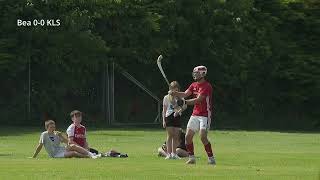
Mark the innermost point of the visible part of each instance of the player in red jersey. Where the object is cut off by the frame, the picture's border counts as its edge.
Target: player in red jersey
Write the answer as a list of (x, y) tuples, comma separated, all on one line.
[(77, 135), (200, 119), (76, 131)]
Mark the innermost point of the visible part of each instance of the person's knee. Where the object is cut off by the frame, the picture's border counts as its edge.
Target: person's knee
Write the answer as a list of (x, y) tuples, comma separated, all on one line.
[(70, 154), (161, 152), (181, 152), (189, 138), (68, 147), (73, 154)]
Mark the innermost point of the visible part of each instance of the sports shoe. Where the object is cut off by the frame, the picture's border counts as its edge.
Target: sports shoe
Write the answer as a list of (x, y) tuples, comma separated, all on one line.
[(99, 155), (191, 160), (211, 161), (123, 155), (175, 157), (93, 157), (167, 157)]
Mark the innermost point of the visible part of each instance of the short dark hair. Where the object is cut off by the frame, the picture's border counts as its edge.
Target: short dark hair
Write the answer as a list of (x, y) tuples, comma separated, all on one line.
[(48, 122)]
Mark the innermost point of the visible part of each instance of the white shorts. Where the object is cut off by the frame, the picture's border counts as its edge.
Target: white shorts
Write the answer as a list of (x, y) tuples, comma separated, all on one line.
[(198, 122), (60, 153)]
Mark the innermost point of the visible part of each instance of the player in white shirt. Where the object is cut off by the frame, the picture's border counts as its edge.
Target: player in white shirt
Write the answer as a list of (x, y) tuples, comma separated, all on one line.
[(171, 116), (51, 140)]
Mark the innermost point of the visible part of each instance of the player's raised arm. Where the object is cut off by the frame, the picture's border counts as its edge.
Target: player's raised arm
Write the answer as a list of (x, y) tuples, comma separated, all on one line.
[(62, 137)]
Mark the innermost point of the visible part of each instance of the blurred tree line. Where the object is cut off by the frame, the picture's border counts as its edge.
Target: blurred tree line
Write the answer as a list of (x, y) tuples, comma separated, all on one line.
[(262, 56)]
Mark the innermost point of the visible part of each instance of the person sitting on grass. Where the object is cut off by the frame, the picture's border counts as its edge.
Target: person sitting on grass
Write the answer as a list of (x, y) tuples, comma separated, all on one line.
[(51, 140), (181, 148), (77, 135)]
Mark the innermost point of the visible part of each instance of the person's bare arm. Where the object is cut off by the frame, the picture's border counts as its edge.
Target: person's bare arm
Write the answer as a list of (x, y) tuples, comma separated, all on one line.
[(62, 137), (164, 110), (70, 140), (196, 100), (180, 94), (38, 149)]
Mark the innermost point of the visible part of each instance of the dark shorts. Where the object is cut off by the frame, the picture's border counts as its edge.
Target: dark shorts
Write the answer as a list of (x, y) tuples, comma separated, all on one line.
[(182, 146), (172, 121)]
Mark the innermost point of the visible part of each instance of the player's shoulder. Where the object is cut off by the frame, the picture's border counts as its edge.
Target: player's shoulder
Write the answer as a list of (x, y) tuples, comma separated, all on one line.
[(82, 126), (194, 84), (71, 126), (207, 84), (44, 133), (166, 96)]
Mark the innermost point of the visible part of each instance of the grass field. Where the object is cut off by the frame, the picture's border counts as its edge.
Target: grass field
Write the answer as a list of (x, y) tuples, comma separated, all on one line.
[(240, 155)]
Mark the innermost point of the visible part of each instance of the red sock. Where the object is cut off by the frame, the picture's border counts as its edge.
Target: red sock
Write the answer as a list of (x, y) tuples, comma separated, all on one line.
[(190, 149), (208, 149)]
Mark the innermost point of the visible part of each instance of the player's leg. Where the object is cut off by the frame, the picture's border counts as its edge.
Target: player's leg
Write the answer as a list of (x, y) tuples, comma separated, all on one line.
[(204, 139), (192, 128), (182, 153), (175, 141), (170, 132), (189, 144), (81, 150), (176, 135), (161, 152), (114, 153), (70, 154)]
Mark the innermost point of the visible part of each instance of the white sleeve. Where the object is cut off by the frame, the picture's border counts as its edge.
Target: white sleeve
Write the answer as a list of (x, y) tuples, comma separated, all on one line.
[(41, 138), (165, 101), (70, 131)]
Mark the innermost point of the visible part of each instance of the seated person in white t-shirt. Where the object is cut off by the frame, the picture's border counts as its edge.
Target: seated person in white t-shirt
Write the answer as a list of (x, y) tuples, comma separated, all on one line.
[(51, 140)]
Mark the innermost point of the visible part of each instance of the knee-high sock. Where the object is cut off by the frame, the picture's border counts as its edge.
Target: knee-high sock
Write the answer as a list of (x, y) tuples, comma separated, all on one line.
[(208, 149), (190, 149)]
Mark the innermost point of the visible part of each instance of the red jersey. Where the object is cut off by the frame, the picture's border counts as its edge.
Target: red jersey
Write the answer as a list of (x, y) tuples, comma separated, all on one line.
[(78, 134), (203, 108)]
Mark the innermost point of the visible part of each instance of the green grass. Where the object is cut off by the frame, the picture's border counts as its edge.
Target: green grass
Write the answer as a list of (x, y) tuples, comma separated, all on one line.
[(240, 155)]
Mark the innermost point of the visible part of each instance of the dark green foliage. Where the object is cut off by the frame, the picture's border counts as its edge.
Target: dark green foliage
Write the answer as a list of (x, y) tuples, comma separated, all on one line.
[(263, 56)]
